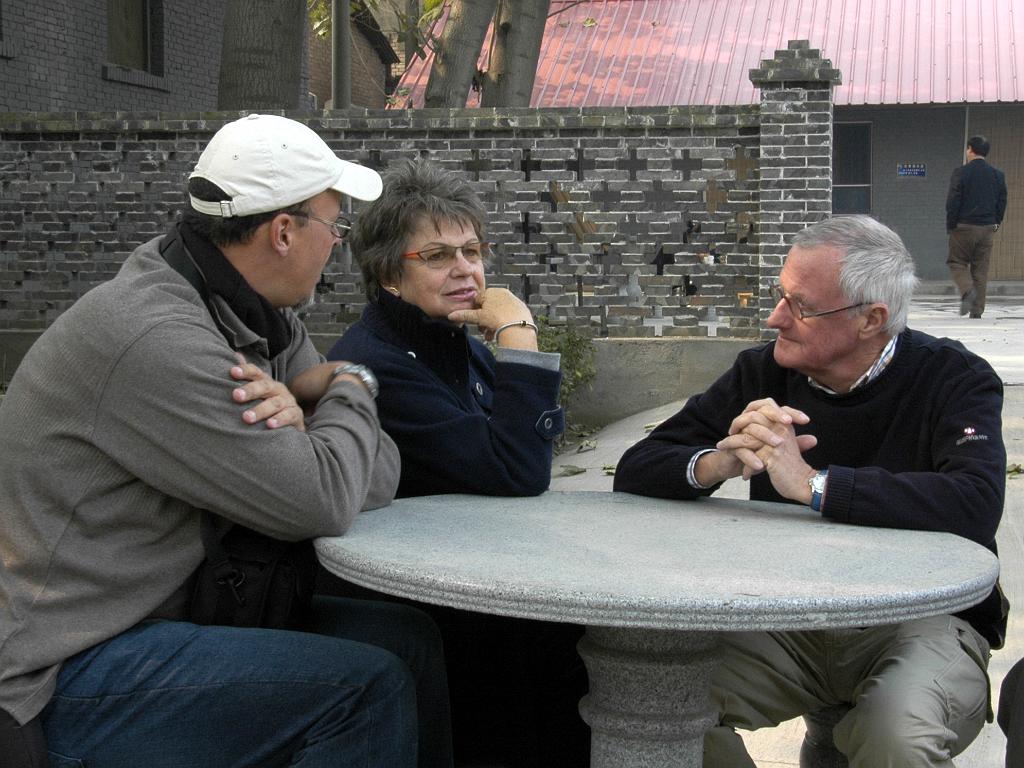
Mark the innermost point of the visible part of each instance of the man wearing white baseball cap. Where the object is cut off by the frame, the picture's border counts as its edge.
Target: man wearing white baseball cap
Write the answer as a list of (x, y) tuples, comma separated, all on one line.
[(173, 422)]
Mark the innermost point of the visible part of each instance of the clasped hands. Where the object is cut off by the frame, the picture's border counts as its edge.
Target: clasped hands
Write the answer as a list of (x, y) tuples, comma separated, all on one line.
[(763, 439)]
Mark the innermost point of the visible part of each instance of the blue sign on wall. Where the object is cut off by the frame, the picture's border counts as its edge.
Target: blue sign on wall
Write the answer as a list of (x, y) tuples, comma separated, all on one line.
[(910, 169)]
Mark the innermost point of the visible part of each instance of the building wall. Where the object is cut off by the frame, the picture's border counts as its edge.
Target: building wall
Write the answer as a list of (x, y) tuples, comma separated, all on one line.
[(1001, 124), (915, 206), (53, 59), (369, 74)]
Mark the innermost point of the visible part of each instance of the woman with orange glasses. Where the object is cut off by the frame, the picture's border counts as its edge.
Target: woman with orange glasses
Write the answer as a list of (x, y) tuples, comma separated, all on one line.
[(467, 421)]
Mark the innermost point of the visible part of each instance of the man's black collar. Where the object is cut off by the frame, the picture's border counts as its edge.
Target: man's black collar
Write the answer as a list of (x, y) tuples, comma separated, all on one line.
[(217, 276)]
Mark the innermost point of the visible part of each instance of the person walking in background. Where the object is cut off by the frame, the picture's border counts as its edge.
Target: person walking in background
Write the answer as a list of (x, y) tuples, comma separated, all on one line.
[(974, 210)]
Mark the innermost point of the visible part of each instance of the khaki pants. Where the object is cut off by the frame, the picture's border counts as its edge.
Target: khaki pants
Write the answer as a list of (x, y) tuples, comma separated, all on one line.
[(970, 246), (919, 690)]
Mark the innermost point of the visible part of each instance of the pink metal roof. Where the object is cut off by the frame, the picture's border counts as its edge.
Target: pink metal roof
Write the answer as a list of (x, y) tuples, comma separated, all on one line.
[(664, 52)]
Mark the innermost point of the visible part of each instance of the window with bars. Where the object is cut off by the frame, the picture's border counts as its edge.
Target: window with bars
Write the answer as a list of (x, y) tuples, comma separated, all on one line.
[(851, 168), (135, 35), (6, 49)]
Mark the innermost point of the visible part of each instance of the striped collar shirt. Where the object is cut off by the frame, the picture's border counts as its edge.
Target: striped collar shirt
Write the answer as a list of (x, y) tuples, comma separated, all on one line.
[(888, 352)]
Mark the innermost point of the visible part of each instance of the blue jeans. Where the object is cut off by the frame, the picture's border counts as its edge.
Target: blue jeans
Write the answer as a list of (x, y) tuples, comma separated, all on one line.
[(343, 692)]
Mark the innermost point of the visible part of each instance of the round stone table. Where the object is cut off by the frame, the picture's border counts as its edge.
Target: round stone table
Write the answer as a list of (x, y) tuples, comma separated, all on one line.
[(654, 581)]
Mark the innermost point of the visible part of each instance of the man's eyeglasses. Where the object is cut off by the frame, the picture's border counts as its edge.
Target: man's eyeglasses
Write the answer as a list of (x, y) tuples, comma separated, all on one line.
[(340, 227), (796, 309), (442, 256)]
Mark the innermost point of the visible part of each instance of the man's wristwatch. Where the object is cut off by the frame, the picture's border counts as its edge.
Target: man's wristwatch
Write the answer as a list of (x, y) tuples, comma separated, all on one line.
[(817, 484), (365, 375)]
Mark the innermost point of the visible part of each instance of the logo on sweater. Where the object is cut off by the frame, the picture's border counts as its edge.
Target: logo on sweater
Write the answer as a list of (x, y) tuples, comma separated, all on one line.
[(970, 434)]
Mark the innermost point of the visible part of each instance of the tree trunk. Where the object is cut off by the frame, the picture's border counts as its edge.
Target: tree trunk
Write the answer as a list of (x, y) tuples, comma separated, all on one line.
[(262, 55), (457, 52), (513, 67)]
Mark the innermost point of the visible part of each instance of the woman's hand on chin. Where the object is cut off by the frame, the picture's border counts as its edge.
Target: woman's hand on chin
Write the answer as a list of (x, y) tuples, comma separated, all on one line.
[(496, 309)]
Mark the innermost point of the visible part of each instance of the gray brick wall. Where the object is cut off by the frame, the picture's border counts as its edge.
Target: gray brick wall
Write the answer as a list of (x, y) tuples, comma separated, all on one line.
[(796, 152), (591, 209), (625, 222), (55, 59)]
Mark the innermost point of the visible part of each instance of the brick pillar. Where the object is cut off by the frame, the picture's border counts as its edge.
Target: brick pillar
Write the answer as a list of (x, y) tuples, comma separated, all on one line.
[(796, 153)]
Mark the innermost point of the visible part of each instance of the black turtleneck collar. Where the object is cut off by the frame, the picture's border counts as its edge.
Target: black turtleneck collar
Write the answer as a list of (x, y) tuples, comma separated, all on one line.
[(412, 323), (438, 343), (227, 282)]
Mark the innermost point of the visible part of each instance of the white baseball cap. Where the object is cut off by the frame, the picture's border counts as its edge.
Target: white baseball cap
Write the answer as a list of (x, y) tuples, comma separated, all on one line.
[(266, 163)]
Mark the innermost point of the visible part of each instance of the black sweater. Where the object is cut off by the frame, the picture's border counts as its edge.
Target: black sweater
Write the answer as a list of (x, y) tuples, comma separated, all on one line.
[(977, 195), (463, 422), (919, 447)]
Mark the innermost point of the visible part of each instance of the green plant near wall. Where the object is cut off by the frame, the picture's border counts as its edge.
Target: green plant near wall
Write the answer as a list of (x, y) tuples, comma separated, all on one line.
[(576, 349)]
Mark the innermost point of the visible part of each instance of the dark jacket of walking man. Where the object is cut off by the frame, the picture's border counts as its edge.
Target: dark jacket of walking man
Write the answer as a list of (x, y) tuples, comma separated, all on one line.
[(974, 210)]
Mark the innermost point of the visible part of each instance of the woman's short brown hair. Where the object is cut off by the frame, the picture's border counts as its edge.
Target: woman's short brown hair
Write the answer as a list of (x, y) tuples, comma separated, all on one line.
[(414, 190)]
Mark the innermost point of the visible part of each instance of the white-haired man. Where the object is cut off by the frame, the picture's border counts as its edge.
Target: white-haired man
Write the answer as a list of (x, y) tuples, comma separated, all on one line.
[(870, 423)]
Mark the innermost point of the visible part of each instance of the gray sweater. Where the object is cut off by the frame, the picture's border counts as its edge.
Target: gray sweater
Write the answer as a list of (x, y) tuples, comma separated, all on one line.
[(117, 427)]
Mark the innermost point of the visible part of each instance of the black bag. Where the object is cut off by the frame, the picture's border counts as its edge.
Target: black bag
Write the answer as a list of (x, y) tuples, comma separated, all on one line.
[(22, 746), (251, 580)]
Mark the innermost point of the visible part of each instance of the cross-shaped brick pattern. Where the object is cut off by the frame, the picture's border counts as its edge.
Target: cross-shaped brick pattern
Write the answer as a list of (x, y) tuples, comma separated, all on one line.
[(660, 198), (659, 321), (476, 165), (635, 192), (551, 259), (714, 195), (742, 163), (608, 199), (631, 164), (692, 228), (581, 226), (743, 228), (527, 228), (525, 287), (557, 194), (687, 164), (548, 196), (711, 322), (661, 258), (582, 165), (527, 164)]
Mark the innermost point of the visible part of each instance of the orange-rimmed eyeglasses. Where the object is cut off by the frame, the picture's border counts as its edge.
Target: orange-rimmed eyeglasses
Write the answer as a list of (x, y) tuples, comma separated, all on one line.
[(441, 256)]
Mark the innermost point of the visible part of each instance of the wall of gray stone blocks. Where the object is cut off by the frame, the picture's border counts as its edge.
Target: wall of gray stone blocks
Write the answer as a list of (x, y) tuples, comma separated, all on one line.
[(624, 222), (591, 210)]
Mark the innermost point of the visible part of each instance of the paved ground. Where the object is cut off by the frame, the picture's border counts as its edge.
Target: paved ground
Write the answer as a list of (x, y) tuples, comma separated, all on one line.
[(999, 337)]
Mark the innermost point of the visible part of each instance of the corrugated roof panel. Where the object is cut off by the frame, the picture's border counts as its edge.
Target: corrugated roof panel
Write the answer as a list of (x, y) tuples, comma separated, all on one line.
[(662, 52)]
